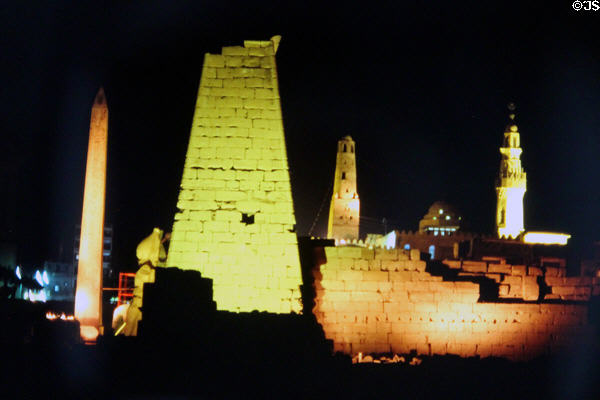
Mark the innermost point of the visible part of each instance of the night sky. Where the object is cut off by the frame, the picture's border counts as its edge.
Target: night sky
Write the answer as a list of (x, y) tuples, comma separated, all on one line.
[(421, 87)]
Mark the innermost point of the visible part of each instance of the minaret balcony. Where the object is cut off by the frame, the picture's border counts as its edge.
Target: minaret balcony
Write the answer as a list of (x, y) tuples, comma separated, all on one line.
[(513, 181)]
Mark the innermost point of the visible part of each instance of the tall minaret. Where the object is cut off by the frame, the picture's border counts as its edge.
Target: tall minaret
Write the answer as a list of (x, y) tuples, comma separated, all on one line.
[(88, 296), (344, 211), (511, 184)]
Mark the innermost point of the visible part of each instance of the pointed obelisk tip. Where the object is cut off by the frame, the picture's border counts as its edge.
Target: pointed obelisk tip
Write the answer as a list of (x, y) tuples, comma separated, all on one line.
[(100, 97)]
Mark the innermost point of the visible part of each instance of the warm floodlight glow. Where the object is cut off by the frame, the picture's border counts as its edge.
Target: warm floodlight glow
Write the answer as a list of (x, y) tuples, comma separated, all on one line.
[(88, 296), (546, 238), (89, 333), (52, 316)]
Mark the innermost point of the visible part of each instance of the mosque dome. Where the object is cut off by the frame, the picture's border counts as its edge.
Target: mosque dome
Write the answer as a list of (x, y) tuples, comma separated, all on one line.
[(441, 219)]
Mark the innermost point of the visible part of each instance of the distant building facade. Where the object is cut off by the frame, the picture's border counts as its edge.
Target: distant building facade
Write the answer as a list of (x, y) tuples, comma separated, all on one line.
[(61, 281), (107, 249)]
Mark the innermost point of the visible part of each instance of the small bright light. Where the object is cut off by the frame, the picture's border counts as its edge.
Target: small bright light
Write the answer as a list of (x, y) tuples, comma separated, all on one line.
[(390, 240), (441, 211), (546, 238), (38, 277), (45, 277), (432, 251), (447, 217), (434, 218), (18, 272)]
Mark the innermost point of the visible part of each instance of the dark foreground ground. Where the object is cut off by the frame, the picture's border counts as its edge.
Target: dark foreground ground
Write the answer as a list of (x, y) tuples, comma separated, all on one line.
[(257, 355), (186, 350), (123, 370)]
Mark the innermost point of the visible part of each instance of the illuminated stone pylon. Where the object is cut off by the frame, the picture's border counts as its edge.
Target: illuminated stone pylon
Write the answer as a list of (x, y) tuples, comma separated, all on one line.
[(88, 295), (344, 212), (511, 184), (236, 220)]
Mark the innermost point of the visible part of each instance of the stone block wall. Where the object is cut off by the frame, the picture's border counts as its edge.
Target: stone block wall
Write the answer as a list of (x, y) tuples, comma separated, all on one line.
[(545, 282), (236, 221), (377, 301)]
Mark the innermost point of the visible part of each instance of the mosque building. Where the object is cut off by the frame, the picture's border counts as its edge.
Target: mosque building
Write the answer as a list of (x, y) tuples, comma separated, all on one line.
[(440, 232)]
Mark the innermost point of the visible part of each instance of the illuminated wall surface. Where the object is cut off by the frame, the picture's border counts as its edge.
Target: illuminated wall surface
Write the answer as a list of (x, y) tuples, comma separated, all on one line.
[(511, 187), (236, 218), (88, 295), (383, 300), (344, 211)]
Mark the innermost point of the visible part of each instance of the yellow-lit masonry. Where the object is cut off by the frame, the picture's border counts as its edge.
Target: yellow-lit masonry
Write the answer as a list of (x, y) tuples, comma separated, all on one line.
[(236, 219)]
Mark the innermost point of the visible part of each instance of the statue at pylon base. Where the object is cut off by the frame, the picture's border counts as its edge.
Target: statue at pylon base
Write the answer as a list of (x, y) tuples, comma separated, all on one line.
[(150, 253)]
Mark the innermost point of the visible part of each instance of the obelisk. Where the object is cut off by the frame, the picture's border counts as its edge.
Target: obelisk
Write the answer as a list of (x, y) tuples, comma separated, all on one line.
[(88, 296)]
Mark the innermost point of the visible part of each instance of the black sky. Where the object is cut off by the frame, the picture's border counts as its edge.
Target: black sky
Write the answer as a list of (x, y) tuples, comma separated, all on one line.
[(421, 86)]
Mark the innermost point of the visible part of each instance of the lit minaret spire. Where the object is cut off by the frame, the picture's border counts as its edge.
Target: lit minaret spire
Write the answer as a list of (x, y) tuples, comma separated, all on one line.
[(344, 211), (88, 296), (511, 184)]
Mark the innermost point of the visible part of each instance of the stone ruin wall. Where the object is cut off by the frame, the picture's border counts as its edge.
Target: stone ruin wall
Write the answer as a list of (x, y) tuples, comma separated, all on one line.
[(236, 219), (235, 225), (377, 301)]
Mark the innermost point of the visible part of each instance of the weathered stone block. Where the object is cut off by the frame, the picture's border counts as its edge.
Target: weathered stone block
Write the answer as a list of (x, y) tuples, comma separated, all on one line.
[(499, 268), (520, 270), (415, 254), (454, 264), (214, 60), (474, 266), (377, 276), (421, 296), (531, 290), (235, 51), (534, 271), (554, 281)]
